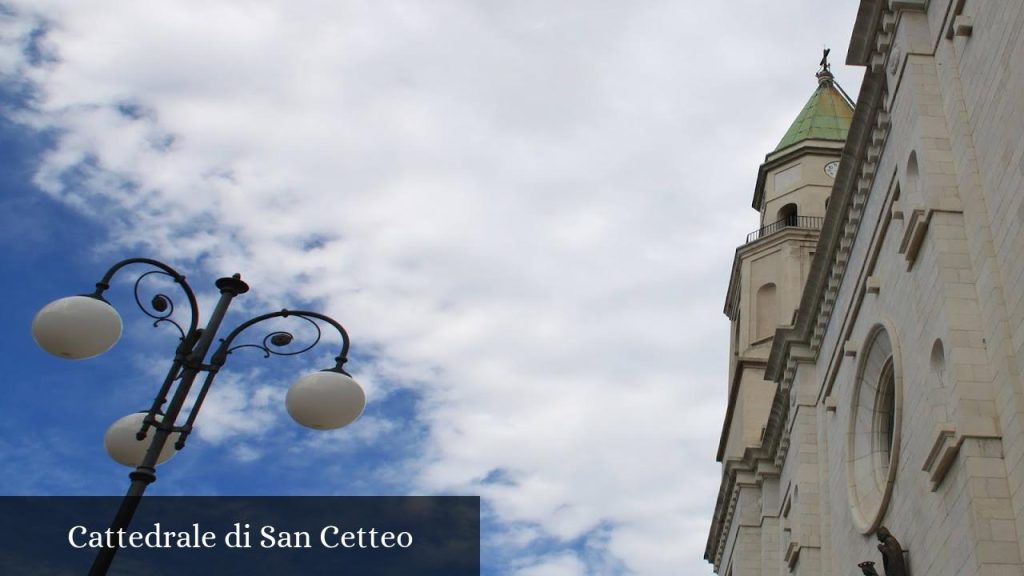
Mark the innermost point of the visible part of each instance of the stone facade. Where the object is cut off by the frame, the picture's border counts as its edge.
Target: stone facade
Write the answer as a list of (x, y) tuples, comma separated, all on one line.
[(889, 391)]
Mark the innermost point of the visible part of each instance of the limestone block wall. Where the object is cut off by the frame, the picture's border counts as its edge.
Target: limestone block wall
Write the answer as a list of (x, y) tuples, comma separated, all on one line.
[(986, 111), (927, 265), (800, 548)]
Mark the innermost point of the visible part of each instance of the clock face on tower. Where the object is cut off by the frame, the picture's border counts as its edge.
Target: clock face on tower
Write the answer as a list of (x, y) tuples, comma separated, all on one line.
[(831, 168)]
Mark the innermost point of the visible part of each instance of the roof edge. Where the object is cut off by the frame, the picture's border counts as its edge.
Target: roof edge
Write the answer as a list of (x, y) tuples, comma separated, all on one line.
[(862, 41)]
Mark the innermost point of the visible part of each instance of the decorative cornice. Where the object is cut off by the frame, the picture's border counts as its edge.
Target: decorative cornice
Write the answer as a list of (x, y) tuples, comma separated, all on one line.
[(842, 220), (857, 171), (749, 470)]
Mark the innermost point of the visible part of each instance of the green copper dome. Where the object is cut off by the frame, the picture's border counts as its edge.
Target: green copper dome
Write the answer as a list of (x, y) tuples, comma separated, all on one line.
[(826, 116)]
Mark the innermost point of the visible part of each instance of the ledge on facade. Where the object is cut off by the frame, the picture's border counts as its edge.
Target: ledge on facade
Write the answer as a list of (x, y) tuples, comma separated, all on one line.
[(940, 458), (804, 222)]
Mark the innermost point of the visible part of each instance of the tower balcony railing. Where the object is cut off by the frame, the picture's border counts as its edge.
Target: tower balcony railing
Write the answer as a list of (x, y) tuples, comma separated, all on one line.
[(804, 222)]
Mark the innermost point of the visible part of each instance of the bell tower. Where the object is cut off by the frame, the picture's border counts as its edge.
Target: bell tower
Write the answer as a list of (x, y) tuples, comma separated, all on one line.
[(770, 268), (765, 288)]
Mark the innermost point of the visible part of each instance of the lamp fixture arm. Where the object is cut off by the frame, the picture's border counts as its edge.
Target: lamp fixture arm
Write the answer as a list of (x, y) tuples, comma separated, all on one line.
[(282, 338), (161, 301), (163, 307), (274, 339)]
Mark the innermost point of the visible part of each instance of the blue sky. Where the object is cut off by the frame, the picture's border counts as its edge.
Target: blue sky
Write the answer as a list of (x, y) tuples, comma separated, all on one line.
[(524, 213)]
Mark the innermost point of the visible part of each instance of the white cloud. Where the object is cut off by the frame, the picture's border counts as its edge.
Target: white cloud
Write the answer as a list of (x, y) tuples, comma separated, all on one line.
[(526, 210), (561, 565), (235, 410)]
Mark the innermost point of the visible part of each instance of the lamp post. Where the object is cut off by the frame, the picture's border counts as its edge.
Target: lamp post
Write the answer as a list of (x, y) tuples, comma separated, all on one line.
[(79, 327)]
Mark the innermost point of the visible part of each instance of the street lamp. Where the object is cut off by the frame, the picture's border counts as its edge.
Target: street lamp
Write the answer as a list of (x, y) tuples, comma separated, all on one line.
[(79, 327)]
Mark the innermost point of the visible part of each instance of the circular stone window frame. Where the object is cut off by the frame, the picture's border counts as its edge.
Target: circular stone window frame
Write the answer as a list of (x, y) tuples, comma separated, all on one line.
[(871, 466)]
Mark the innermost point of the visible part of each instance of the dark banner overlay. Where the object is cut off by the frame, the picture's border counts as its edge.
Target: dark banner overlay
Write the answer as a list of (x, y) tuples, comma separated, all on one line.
[(200, 536)]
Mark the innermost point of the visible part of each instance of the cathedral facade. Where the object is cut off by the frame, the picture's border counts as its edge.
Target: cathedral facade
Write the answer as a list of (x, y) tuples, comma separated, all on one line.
[(876, 400)]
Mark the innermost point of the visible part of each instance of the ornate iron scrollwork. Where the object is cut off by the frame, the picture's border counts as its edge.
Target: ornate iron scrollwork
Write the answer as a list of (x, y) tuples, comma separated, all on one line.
[(161, 306), (275, 342)]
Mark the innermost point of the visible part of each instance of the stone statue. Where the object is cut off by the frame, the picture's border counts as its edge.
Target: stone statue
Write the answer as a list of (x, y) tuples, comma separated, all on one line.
[(892, 553)]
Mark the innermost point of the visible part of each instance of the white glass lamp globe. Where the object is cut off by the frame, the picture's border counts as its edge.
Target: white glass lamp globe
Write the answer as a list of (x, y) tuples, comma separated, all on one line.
[(77, 327), (325, 400), (123, 446)]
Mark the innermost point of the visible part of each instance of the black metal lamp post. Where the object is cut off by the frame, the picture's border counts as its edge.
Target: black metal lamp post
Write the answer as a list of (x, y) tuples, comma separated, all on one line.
[(79, 327)]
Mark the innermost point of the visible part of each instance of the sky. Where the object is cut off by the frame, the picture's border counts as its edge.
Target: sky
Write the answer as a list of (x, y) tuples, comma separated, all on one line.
[(524, 213)]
